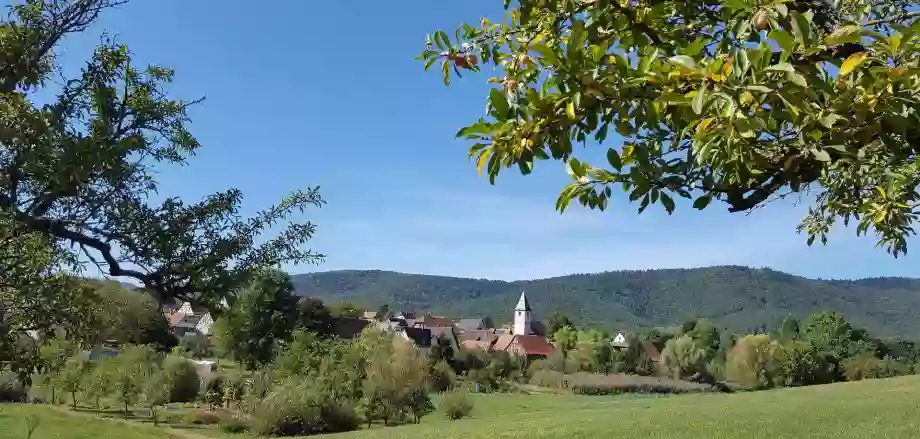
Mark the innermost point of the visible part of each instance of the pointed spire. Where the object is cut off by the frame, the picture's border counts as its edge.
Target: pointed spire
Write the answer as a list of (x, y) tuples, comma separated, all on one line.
[(523, 304)]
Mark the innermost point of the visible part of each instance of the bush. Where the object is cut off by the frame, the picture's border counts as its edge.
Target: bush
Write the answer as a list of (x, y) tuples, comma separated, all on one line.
[(203, 417), (549, 378), (456, 405), (683, 358), (755, 362), (234, 425), (303, 409), (441, 377), (803, 365), (583, 383), (866, 367), (11, 389), (182, 378)]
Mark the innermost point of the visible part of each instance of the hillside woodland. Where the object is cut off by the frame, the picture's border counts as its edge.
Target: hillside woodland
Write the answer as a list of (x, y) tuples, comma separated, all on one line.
[(740, 298)]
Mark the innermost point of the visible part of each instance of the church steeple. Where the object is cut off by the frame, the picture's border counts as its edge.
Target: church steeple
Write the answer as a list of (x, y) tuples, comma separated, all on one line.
[(522, 316), (523, 304)]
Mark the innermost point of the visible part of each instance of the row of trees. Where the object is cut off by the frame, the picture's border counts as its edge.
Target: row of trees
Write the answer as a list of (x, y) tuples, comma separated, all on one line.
[(137, 375), (824, 349)]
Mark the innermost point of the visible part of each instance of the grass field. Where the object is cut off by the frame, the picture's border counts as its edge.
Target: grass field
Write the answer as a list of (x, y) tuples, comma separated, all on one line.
[(867, 409), (55, 424)]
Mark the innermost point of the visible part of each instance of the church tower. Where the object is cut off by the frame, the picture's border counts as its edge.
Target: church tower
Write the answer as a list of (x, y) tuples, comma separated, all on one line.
[(522, 317)]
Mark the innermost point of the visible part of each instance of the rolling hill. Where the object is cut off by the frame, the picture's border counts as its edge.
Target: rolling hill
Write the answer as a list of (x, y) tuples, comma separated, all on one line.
[(740, 298)]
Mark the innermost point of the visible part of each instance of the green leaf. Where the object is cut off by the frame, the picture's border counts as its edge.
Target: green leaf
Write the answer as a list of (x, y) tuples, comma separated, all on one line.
[(526, 166), (597, 53), (430, 62), (781, 67), (575, 168), (759, 88), (548, 55), (801, 28), (829, 120), (613, 157), (699, 100), (821, 155), (797, 79), (683, 61), (441, 39), (570, 110), (647, 60), (845, 34), (445, 68), (784, 40), (702, 202), (852, 63), (499, 103), (667, 202), (576, 40)]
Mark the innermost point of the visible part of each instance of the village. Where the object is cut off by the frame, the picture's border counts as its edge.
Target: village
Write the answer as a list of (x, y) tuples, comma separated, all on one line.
[(525, 337)]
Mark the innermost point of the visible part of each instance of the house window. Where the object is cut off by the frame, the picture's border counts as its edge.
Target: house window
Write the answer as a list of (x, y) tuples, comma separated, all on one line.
[(520, 313)]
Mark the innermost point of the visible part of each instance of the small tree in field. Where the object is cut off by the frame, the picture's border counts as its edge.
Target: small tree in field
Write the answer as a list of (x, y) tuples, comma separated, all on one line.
[(157, 389), (131, 369), (99, 381), (71, 376)]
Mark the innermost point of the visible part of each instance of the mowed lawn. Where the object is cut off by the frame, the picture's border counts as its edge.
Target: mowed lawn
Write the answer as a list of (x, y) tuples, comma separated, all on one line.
[(874, 409)]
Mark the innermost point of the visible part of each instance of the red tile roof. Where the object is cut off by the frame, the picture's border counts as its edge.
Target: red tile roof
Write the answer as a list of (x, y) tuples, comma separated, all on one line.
[(502, 342), (434, 321), (175, 318), (535, 345)]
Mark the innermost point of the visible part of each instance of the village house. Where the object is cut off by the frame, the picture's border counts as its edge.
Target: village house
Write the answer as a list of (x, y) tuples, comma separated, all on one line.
[(622, 339), (184, 318)]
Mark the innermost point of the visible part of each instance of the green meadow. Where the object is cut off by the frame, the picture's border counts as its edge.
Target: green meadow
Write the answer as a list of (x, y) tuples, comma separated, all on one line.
[(884, 408)]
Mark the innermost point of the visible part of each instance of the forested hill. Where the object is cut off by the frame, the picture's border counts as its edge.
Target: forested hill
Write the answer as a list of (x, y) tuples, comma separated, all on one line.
[(737, 297)]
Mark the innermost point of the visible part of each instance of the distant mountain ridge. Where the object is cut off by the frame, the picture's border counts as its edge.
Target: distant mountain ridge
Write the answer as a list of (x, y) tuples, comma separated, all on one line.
[(740, 298)]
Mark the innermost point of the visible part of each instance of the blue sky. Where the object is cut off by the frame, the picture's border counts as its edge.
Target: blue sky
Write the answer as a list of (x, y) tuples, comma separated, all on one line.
[(304, 93)]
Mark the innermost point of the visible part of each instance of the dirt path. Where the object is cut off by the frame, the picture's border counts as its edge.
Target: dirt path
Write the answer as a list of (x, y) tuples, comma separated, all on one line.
[(174, 432)]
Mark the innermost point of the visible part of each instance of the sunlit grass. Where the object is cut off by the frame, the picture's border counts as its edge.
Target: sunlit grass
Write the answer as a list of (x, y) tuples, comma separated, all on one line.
[(869, 409)]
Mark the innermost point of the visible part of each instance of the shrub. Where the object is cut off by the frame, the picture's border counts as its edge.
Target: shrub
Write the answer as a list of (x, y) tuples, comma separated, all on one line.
[(11, 389), (583, 383), (682, 358), (549, 378), (441, 377), (182, 378), (803, 365), (234, 425), (754, 362), (304, 408), (204, 417), (456, 405), (866, 367)]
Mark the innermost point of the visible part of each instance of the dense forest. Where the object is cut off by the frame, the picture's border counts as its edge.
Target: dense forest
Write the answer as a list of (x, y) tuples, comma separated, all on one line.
[(740, 298)]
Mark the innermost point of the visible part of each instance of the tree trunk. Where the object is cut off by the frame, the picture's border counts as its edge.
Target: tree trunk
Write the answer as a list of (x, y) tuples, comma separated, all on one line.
[(53, 401), (73, 397), (153, 414), (97, 402), (126, 410)]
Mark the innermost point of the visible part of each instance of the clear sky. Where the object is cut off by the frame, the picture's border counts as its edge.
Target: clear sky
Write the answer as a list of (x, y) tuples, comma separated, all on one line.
[(302, 93)]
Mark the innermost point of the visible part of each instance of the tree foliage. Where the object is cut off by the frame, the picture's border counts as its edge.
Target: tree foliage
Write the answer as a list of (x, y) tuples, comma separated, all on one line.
[(739, 101), (263, 316), (77, 173), (557, 321)]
